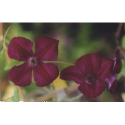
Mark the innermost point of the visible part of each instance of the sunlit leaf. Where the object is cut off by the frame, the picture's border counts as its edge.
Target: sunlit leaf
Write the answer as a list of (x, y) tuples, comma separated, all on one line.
[(15, 97), (8, 93), (6, 35)]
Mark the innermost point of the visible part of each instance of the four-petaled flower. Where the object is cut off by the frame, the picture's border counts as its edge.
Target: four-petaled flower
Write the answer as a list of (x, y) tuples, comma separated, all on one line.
[(46, 49), (94, 73)]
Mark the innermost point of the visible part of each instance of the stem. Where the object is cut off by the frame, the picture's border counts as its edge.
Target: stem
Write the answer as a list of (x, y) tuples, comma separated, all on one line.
[(117, 34), (7, 57), (21, 94), (57, 62), (118, 30)]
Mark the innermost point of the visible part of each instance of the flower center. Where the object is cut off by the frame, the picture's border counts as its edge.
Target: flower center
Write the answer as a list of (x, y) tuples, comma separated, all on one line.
[(90, 78), (33, 61)]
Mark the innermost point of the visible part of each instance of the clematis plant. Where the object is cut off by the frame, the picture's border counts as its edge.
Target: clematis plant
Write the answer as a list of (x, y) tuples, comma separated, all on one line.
[(94, 74), (20, 49)]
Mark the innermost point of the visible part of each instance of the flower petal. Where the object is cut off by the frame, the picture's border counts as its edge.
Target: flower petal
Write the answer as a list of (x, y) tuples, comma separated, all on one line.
[(85, 64), (92, 90), (96, 62), (113, 87), (45, 74), (46, 48), (117, 63), (111, 78), (20, 48), (72, 73), (20, 75), (89, 63), (106, 68)]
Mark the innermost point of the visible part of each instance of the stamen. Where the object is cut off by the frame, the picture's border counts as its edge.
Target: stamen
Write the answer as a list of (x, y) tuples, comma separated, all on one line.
[(33, 61), (90, 78)]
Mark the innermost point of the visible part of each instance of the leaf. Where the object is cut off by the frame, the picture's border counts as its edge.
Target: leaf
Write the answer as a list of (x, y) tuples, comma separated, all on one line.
[(122, 73), (11, 64), (1, 53), (15, 97), (8, 92), (6, 35), (123, 41)]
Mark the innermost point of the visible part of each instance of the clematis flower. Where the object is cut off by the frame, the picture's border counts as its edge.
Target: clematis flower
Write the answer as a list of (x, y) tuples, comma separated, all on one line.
[(46, 49), (117, 66), (92, 72)]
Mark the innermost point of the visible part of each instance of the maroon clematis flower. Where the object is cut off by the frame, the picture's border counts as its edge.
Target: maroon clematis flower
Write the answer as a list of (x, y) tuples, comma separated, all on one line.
[(46, 49), (117, 66), (92, 72)]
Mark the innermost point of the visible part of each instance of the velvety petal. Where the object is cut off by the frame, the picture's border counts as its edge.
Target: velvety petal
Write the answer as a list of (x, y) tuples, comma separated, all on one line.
[(72, 73), (117, 63), (89, 63), (46, 48), (85, 64), (113, 87), (92, 90), (96, 62), (111, 78), (20, 75), (45, 73), (20, 48), (106, 69)]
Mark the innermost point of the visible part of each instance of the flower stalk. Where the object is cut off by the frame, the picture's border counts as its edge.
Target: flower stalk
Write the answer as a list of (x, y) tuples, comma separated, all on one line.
[(58, 62)]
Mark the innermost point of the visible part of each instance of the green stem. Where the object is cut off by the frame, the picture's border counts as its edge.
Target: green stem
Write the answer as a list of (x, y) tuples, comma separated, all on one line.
[(58, 62)]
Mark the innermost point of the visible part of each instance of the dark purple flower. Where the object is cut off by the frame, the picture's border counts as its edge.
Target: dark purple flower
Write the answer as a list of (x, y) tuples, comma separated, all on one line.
[(46, 49), (92, 72)]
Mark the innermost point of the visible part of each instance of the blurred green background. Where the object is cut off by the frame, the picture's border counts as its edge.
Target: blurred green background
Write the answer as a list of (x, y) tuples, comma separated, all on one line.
[(75, 40)]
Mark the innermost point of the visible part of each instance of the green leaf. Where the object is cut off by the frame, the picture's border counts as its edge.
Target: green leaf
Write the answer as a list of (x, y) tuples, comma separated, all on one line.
[(6, 35), (123, 41), (1, 53), (11, 64), (15, 97), (122, 73)]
